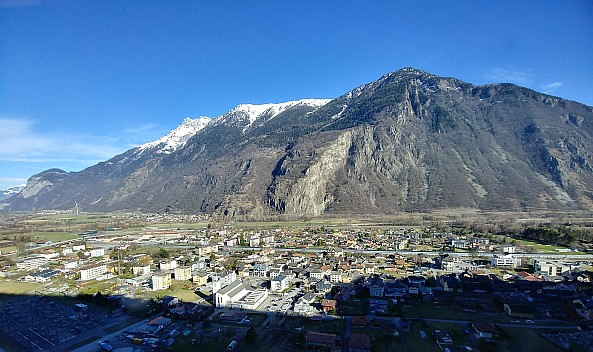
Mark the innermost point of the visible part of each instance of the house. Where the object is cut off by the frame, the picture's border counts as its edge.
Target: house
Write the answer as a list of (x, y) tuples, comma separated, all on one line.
[(279, 283), (159, 323), (328, 305), (359, 343), (323, 286), (314, 338), (361, 322), (484, 330), (169, 301)]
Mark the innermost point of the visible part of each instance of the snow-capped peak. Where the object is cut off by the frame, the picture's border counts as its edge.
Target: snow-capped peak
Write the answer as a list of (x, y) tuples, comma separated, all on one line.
[(249, 113), (179, 136)]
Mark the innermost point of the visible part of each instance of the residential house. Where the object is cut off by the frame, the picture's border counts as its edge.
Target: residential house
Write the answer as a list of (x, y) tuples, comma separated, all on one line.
[(279, 283), (359, 343), (328, 305)]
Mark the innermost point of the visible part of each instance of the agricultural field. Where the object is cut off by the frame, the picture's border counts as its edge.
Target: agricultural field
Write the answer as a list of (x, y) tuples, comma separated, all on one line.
[(11, 287)]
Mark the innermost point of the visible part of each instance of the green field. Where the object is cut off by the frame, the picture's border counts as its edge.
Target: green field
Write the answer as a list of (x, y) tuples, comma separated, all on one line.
[(54, 236), (17, 287)]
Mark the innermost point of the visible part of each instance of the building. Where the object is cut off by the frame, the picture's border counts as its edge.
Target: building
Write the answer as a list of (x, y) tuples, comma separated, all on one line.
[(140, 270), (97, 252), (33, 263), (78, 247), (239, 295), (279, 283), (42, 276), (183, 273), (335, 276), (328, 305), (377, 290), (200, 278), (161, 281), (92, 272), (506, 261), (206, 249), (168, 265), (553, 267)]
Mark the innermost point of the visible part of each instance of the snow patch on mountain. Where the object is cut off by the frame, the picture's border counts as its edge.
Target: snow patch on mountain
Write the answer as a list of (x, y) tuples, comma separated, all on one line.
[(247, 114), (11, 191), (178, 137)]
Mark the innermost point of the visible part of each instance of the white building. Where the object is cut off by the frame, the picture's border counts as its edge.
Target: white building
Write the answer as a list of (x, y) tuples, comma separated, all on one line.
[(506, 261), (206, 249), (97, 252), (279, 283), (92, 272), (238, 295), (78, 247), (221, 280), (140, 270), (168, 265), (553, 267), (335, 276), (33, 263)]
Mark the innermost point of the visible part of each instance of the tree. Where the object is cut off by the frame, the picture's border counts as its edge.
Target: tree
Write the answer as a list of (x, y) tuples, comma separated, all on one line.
[(163, 253), (250, 336)]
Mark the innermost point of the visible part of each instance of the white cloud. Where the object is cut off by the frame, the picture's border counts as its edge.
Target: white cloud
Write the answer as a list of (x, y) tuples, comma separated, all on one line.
[(550, 87), (13, 180), (503, 75), (20, 142)]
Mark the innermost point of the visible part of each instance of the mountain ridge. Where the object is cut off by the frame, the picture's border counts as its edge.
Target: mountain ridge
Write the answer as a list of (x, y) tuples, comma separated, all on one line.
[(407, 141)]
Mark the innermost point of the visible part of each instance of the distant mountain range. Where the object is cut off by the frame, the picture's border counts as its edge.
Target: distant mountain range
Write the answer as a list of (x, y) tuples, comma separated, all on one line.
[(408, 141), (11, 192)]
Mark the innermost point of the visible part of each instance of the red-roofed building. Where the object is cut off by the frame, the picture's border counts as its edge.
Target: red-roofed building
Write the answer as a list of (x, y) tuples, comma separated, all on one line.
[(359, 343)]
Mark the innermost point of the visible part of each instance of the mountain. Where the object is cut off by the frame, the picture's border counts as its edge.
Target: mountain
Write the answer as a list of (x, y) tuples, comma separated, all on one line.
[(408, 141), (11, 192)]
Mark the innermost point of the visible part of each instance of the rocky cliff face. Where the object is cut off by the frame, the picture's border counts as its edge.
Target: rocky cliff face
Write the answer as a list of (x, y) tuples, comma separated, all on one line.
[(408, 141)]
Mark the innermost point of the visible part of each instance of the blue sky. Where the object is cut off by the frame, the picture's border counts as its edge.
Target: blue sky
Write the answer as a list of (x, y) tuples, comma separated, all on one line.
[(81, 81)]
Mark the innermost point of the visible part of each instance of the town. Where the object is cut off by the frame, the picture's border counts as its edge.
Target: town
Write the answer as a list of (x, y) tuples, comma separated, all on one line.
[(176, 283)]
